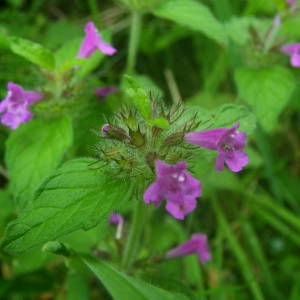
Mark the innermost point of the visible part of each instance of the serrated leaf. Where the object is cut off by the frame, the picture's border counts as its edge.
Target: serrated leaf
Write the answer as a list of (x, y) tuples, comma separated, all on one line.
[(33, 152), (194, 15), (119, 284), (75, 197), (33, 52), (266, 91), (138, 96)]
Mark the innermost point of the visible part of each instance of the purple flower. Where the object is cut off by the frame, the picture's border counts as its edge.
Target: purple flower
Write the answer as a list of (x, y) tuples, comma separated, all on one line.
[(174, 184), (197, 244), (117, 219), (14, 107), (92, 42), (229, 142), (105, 91), (105, 128), (293, 50)]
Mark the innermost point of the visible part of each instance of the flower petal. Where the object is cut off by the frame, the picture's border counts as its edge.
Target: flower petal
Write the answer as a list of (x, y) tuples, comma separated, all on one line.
[(237, 160), (153, 194)]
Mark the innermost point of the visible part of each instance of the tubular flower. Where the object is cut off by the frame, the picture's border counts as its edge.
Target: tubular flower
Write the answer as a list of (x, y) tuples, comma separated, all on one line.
[(293, 50), (92, 42), (117, 219), (197, 244), (14, 107), (174, 184), (105, 91), (229, 142)]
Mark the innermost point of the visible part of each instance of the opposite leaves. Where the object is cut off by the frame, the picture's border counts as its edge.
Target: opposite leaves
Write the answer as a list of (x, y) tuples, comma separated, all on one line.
[(75, 197)]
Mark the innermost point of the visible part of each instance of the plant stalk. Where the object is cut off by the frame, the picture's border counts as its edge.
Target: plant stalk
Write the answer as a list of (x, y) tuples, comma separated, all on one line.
[(133, 240), (135, 30)]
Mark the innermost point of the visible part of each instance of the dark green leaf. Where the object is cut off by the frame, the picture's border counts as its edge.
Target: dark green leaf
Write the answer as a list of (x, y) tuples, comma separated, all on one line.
[(75, 197), (33, 152)]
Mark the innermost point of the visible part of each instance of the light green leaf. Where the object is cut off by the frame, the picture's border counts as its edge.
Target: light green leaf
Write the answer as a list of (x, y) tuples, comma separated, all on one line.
[(194, 15), (266, 91), (75, 197), (119, 284), (138, 96), (33, 152), (33, 52)]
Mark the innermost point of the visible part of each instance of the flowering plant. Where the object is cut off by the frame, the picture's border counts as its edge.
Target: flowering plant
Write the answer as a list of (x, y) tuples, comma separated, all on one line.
[(148, 158)]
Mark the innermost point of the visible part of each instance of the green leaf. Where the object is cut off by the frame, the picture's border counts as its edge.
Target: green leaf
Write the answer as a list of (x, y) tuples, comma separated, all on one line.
[(194, 15), (75, 197), (33, 152), (119, 284), (138, 96), (266, 91), (33, 52), (7, 209)]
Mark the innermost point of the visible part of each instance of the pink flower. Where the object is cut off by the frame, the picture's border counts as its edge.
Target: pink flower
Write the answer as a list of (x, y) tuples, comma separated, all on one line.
[(178, 187), (14, 108), (92, 42), (229, 142), (293, 50), (197, 244)]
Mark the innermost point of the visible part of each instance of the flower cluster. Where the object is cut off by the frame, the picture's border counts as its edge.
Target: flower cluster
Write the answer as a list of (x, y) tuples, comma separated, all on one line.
[(180, 189)]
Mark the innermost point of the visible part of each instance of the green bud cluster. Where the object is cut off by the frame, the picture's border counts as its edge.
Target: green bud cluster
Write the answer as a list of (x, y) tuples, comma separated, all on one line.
[(130, 144)]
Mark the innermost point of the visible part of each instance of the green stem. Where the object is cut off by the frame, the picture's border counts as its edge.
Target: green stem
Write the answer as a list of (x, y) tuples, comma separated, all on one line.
[(133, 41), (131, 246), (94, 10)]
